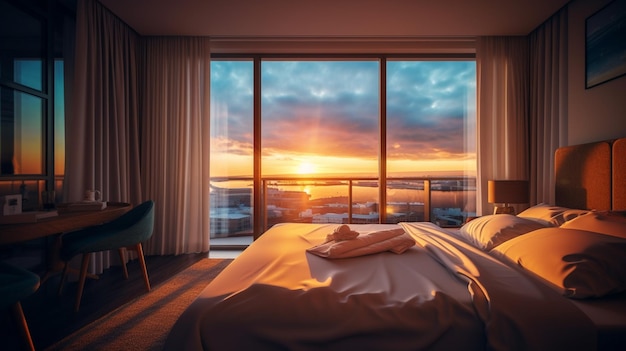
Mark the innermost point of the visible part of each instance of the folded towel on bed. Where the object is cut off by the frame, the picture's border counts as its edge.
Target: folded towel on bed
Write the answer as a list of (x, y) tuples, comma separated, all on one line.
[(394, 240), (343, 232)]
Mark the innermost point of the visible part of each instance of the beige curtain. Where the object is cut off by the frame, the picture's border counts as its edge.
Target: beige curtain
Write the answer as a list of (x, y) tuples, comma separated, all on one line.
[(548, 103), (502, 113), (135, 142), (102, 135), (175, 142)]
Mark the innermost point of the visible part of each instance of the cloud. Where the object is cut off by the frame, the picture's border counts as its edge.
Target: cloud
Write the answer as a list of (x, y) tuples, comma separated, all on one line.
[(331, 107)]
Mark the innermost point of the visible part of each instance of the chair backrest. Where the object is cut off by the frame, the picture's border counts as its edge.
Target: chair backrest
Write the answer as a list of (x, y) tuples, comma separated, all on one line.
[(133, 227), (137, 224), (136, 214)]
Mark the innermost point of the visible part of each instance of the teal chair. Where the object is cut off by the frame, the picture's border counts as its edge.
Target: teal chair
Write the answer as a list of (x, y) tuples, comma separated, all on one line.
[(16, 284), (126, 232)]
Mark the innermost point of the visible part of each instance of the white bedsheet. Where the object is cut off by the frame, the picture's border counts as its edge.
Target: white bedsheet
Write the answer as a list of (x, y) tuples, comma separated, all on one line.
[(277, 296)]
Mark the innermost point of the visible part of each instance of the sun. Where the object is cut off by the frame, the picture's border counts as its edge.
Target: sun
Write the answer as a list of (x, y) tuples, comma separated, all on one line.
[(305, 168)]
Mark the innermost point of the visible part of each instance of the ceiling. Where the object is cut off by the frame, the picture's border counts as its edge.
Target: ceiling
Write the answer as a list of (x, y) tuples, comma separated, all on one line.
[(332, 18)]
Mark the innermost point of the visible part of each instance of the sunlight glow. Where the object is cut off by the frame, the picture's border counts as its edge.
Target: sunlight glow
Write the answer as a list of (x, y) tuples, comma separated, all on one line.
[(306, 168)]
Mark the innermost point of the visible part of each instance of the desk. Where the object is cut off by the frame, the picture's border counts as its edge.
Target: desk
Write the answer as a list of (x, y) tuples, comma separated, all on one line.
[(55, 226), (63, 223)]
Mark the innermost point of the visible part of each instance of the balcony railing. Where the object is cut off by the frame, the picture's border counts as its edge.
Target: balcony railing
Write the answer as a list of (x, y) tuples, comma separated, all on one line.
[(289, 199)]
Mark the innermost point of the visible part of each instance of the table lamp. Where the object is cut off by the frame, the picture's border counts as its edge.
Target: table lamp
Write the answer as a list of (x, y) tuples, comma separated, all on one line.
[(507, 192)]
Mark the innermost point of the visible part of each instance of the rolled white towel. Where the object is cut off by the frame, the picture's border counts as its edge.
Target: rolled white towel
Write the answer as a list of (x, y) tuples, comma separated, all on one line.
[(343, 232), (394, 240)]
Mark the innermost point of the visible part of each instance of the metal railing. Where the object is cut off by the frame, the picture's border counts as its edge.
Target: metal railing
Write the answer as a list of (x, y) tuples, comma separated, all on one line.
[(428, 185)]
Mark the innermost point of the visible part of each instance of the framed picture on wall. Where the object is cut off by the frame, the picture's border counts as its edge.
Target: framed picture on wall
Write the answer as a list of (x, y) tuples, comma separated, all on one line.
[(605, 44)]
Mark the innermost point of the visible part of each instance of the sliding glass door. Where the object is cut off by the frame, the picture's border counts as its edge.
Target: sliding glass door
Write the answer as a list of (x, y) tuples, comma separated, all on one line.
[(350, 140)]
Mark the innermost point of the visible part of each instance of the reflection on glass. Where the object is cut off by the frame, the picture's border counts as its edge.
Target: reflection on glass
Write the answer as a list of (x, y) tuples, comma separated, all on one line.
[(231, 208), (231, 148)]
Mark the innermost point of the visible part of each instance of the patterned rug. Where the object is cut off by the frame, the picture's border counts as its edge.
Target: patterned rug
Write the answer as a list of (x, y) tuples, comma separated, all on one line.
[(144, 323)]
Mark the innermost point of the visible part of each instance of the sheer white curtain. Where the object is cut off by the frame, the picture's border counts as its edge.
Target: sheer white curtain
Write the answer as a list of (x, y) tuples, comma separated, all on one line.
[(502, 112), (102, 135), (548, 103), (175, 142)]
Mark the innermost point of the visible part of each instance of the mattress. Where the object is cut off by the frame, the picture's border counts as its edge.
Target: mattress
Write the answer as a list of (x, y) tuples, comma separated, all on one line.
[(441, 294)]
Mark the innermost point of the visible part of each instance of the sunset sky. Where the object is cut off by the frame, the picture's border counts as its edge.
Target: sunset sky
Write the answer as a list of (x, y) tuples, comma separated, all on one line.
[(322, 117)]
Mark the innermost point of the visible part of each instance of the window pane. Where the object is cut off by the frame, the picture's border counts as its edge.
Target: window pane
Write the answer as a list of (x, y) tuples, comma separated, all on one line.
[(28, 73), (319, 117), (431, 128), (21, 133), (232, 131), (21, 47), (59, 119)]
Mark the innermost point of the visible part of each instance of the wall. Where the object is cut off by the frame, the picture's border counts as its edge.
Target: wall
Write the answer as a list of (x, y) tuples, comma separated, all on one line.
[(597, 113)]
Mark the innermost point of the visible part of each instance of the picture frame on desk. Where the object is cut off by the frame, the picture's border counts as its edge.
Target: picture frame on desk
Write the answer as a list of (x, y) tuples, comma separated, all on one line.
[(12, 205)]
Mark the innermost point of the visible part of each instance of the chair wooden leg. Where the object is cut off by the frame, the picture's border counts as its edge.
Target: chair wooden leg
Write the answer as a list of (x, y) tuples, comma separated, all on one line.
[(18, 315), (121, 251), (81, 280), (142, 262)]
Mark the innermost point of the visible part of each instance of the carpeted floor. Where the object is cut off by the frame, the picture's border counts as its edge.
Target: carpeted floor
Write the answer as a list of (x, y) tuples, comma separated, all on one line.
[(144, 323)]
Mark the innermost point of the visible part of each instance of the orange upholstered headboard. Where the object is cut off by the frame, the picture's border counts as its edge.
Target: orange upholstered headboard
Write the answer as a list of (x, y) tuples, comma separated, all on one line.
[(619, 175), (583, 176), (591, 176)]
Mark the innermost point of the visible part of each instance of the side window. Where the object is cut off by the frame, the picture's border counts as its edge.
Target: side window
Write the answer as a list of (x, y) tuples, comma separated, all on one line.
[(21, 99), (31, 98)]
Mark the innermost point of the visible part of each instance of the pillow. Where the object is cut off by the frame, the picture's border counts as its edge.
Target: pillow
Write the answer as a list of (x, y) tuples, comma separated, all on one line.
[(489, 231), (609, 223), (580, 263), (555, 215), (568, 216)]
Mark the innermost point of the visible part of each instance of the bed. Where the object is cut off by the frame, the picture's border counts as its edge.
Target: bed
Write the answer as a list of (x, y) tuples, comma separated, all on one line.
[(552, 277)]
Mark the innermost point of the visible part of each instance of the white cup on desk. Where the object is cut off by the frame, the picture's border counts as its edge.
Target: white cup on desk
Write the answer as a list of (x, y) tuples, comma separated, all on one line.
[(92, 195)]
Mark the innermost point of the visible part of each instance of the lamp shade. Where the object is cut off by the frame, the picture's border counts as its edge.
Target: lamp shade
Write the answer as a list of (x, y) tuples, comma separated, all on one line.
[(507, 191)]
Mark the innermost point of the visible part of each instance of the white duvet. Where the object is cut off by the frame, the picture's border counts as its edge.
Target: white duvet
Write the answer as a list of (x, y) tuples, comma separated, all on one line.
[(440, 294)]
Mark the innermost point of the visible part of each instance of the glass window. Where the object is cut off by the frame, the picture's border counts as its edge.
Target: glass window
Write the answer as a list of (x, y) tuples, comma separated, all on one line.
[(28, 73), (59, 118), (320, 134), (320, 117), (232, 151), (21, 131), (430, 114), (32, 113), (21, 47), (431, 133)]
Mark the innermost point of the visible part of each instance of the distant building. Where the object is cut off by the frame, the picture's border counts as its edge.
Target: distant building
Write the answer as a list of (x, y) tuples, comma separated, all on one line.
[(227, 221)]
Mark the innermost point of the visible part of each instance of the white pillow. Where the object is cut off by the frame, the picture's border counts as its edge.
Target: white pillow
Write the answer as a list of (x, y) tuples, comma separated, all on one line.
[(489, 231), (609, 223), (580, 263), (555, 215)]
